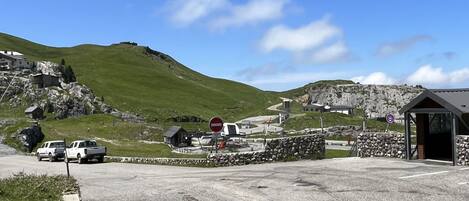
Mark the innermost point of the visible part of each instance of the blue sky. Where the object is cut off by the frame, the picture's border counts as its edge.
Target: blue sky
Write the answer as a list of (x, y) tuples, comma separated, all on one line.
[(270, 44)]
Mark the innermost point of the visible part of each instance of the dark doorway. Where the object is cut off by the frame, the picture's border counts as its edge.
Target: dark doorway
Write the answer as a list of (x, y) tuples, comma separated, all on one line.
[(438, 138)]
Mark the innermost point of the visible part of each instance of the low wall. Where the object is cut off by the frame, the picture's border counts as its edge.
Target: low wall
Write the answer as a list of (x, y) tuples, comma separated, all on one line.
[(380, 144), (195, 162), (462, 145), (282, 149)]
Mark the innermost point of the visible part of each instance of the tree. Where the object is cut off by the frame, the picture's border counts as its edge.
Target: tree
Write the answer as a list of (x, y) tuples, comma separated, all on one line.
[(62, 62), (69, 75)]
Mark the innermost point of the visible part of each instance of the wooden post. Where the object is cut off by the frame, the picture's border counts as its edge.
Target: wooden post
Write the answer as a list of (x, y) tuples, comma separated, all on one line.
[(407, 136)]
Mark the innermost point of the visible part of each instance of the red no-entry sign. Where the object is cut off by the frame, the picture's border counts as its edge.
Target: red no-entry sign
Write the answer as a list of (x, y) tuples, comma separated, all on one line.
[(216, 124)]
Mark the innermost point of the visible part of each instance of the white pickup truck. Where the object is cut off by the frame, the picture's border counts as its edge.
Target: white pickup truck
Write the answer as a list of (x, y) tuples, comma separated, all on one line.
[(84, 150), (52, 150)]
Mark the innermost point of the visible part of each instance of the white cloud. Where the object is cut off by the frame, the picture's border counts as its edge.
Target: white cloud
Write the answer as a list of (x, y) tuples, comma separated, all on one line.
[(392, 48), (185, 12), (375, 78), (335, 52), (252, 12), (434, 75), (303, 38)]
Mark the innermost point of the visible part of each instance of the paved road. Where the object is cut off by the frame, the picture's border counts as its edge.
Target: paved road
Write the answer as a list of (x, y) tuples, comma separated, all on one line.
[(261, 125), (5, 150), (332, 179)]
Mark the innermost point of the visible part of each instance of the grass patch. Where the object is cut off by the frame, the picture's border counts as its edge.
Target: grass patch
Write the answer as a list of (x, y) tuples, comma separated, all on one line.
[(332, 153), (36, 187), (120, 137)]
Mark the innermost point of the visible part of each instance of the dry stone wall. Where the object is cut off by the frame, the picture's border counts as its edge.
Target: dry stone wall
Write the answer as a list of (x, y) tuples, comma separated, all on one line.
[(380, 144), (462, 144), (282, 149)]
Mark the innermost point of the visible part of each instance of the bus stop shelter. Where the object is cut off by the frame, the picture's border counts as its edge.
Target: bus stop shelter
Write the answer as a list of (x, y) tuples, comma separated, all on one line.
[(439, 116)]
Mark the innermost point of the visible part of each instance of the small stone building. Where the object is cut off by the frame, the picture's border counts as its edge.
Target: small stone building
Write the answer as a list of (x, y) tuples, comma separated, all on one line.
[(34, 112), (45, 80), (441, 117), (177, 136), (344, 109)]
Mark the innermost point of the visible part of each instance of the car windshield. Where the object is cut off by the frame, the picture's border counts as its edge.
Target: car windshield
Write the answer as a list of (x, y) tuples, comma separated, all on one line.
[(57, 145), (90, 144)]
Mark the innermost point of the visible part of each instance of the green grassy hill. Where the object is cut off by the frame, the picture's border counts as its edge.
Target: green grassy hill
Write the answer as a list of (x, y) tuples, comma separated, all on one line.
[(137, 79)]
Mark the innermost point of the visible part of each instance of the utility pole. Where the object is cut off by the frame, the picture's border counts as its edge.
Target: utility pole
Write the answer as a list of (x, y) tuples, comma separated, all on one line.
[(11, 82)]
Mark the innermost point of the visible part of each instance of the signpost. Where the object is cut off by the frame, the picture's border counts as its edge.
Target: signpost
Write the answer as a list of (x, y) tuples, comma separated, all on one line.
[(216, 125), (389, 120)]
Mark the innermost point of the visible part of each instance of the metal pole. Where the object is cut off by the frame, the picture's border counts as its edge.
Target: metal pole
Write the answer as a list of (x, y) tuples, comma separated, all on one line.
[(11, 82), (454, 130), (66, 158)]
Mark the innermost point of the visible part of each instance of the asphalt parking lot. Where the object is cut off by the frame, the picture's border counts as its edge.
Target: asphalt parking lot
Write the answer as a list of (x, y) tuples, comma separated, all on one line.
[(331, 179)]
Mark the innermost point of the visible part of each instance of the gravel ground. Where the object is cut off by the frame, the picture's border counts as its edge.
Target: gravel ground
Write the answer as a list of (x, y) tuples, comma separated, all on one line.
[(332, 179), (5, 150)]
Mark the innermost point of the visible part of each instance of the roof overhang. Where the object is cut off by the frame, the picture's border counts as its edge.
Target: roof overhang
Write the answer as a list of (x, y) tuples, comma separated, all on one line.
[(429, 94)]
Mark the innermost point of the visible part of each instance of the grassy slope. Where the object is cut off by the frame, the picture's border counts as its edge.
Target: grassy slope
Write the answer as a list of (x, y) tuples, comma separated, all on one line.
[(132, 81)]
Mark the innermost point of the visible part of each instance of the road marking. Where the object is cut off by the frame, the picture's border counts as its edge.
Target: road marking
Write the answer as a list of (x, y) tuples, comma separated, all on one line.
[(424, 174), (464, 168), (463, 183)]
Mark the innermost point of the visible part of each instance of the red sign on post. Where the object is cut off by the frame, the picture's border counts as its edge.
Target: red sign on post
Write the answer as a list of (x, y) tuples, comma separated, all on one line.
[(216, 124)]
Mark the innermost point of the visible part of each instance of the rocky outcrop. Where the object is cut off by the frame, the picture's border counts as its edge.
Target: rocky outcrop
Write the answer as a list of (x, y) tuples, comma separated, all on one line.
[(379, 144), (30, 137), (67, 100), (376, 100)]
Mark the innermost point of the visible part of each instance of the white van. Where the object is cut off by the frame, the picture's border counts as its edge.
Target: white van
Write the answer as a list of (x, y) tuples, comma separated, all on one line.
[(230, 129)]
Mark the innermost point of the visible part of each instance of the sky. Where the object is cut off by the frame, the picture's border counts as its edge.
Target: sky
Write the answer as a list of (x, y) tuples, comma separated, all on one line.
[(270, 44)]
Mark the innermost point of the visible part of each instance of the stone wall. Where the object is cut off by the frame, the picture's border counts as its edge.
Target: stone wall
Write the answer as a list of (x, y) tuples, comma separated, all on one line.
[(462, 145), (380, 144), (195, 162), (282, 149)]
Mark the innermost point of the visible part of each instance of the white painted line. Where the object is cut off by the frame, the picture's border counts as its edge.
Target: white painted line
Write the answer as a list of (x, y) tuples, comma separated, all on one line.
[(424, 174), (464, 168), (463, 183)]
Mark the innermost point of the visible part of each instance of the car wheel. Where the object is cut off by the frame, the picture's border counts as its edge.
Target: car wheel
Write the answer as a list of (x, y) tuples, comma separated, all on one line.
[(51, 158), (101, 159), (80, 161), (38, 157)]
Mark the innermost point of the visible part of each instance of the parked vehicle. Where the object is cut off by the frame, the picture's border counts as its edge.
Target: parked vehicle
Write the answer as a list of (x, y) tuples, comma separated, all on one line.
[(84, 150), (230, 129), (202, 141), (52, 150)]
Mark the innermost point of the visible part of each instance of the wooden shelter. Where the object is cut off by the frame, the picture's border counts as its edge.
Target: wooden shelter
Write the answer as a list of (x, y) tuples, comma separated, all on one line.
[(439, 115)]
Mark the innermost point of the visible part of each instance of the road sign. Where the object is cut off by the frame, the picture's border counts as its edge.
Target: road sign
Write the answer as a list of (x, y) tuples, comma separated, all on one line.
[(216, 124), (389, 118)]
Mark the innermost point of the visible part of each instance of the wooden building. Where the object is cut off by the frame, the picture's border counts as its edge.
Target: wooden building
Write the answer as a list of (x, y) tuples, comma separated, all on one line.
[(177, 136), (439, 115), (34, 112)]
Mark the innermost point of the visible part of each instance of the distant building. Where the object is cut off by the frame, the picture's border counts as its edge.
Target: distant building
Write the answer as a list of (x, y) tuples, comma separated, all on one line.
[(344, 109), (34, 112), (42, 80), (286, 104), (177, 136), (315, 107), (10, 60)]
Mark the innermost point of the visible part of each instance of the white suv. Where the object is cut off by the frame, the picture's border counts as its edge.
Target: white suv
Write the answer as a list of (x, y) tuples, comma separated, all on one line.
[(52, 150)]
